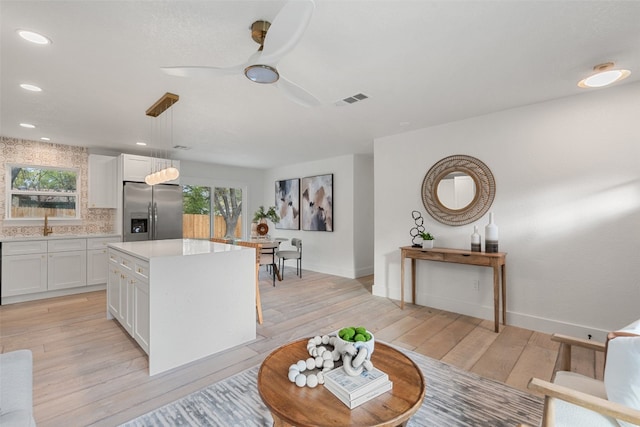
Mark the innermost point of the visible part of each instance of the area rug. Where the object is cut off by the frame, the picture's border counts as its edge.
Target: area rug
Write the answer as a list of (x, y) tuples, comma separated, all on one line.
[(453, 398)]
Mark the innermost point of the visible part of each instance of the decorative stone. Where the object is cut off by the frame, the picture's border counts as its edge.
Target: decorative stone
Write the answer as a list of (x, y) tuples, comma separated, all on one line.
[(319, 361), (301, 380), (311, 363), (312, 380), (302, 365), (293, 373)]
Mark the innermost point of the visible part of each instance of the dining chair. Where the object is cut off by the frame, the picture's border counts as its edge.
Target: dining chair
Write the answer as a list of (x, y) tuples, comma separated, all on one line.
[(258, 248), (289, 254), (269, 258)]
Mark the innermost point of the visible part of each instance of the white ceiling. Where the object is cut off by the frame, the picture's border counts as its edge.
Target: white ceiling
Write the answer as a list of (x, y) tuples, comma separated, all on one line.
[(420, 62)]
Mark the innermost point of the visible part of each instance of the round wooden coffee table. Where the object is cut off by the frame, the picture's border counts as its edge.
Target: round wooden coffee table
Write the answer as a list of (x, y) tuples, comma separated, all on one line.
[(291, 405)]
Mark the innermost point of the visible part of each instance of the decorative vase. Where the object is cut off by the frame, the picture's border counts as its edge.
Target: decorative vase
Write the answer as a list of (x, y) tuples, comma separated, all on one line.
[(491, 236), (475, 240), (427, 244), (370, 345)]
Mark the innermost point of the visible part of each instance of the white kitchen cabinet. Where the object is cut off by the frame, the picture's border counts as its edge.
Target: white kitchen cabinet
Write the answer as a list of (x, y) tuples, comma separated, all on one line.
[(97, 266), (141, 314), (113, 289), (24, 274), (67, 264), (183, 290), (66, 270), (136, 168), (24, 267), (128, 295), (102, 181), (97, 259), (35, 269)]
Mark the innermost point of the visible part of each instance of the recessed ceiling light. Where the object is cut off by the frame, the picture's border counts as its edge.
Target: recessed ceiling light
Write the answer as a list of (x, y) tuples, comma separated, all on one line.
[(27, 125), (44, 138), (604, 75), (32, 88), (34, 37), (141, 143)]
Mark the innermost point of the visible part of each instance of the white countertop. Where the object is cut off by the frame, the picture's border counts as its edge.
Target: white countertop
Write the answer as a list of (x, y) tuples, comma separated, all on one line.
[(55, 237), (174, 247)]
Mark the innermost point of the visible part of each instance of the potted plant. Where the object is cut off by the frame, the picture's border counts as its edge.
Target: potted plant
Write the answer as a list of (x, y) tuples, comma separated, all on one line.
[(427, 239), (269, 214)]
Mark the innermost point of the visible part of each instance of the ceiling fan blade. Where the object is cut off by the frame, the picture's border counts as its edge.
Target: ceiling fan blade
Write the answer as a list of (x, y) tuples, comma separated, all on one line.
[(202, 71), (297, 94), (286, 30)]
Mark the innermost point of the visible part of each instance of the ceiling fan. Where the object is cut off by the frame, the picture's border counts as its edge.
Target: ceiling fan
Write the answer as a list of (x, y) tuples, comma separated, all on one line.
[(276, 40)]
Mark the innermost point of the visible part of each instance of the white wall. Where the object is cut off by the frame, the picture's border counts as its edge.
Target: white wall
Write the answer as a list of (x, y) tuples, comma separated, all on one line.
[(363, 215), (567, 206), (334, 252)]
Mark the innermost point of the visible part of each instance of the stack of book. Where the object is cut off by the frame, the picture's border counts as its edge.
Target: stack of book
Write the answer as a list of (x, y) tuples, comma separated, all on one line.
[(354, 391)]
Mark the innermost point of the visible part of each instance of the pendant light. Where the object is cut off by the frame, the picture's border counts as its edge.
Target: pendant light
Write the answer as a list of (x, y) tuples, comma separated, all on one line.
[(168, 172)]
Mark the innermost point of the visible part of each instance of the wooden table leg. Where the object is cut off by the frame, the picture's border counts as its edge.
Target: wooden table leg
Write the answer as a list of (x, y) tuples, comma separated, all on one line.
[(504, 294), (279, 422), (413, 280), (496, 298), (402, 258)]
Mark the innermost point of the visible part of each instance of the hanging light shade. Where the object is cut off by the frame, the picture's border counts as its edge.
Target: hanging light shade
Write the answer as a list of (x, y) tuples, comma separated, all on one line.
[(172, 173), (167, 173)]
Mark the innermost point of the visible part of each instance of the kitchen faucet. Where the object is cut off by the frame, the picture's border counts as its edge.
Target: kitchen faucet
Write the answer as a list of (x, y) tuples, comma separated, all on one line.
[(47, 228)]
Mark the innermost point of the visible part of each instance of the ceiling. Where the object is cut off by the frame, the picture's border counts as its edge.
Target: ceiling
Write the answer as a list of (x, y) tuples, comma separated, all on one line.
[(421, 63)]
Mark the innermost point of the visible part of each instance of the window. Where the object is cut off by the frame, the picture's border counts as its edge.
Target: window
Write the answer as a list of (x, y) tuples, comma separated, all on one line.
[(36, 191), (196, 212), (228, 212), (198, 203)]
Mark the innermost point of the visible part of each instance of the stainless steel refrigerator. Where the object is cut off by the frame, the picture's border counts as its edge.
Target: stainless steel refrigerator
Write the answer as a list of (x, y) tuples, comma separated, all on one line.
[(151, 212)]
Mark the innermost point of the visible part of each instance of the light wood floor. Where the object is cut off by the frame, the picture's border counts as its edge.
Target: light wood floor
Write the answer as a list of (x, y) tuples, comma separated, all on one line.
[(87, 371)]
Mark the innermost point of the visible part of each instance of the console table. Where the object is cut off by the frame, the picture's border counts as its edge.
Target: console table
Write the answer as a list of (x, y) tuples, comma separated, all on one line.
[(497, 261)]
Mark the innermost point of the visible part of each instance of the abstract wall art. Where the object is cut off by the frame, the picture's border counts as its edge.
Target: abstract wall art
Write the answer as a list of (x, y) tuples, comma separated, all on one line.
[(288, 204), (317, 203)]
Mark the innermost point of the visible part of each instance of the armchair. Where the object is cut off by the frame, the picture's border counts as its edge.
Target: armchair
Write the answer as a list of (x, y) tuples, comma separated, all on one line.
[(572, 399)]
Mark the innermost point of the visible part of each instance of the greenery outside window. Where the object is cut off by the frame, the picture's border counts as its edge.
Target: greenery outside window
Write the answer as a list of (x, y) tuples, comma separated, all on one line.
[(36, 191), (198, 204)]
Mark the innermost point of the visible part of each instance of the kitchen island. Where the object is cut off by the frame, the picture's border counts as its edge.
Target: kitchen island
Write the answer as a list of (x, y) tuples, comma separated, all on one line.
[(182, 299)]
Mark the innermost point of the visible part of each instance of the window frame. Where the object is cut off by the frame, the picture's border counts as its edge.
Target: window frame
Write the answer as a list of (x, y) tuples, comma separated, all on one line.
[(212, 183), (28, 220)]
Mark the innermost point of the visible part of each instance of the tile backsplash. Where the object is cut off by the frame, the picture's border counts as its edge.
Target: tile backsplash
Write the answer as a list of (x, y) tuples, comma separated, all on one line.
[(21, 151)]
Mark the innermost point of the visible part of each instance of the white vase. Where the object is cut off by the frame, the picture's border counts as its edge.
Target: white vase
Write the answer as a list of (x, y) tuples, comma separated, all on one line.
[(491, 236), (341, 345), (427, 244), (475, 240)]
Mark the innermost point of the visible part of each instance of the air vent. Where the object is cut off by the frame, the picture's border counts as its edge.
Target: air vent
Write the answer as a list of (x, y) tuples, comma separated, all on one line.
[(181, 147), (351, 99)]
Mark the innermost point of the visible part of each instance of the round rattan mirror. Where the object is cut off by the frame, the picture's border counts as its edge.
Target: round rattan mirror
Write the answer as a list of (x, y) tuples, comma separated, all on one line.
[(476, 184)]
